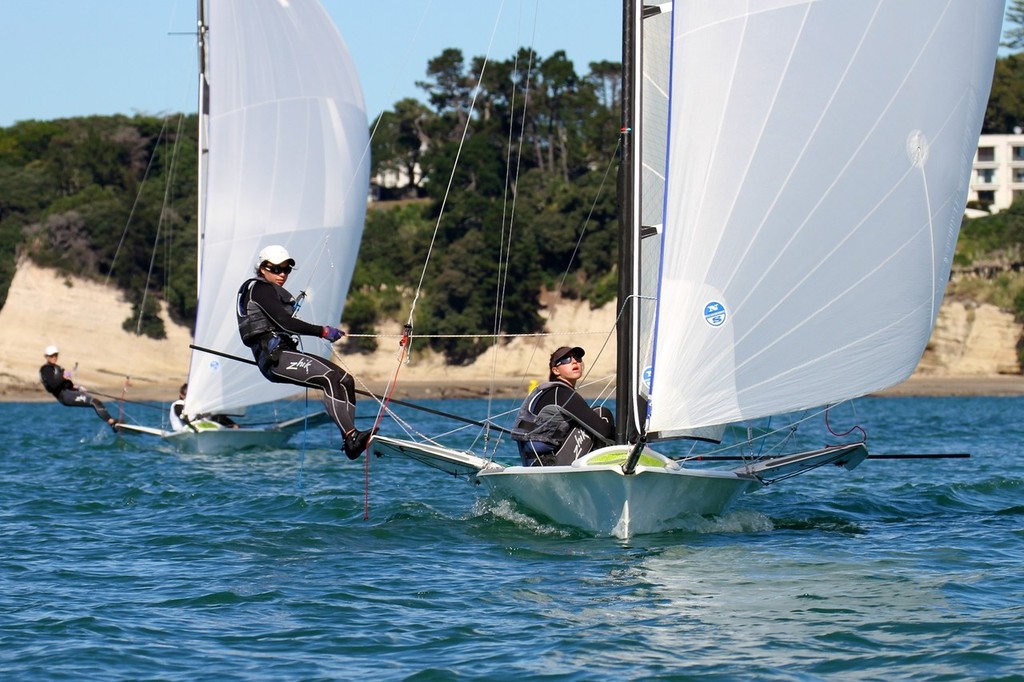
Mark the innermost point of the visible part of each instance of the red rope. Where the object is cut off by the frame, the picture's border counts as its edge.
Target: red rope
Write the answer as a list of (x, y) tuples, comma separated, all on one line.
[(388, 392)]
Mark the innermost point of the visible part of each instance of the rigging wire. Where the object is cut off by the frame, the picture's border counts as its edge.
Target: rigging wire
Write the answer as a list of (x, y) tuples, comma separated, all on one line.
[(455, 165), (135, 204), (389, 389), (509, 208), (156, 238), (514, 146)]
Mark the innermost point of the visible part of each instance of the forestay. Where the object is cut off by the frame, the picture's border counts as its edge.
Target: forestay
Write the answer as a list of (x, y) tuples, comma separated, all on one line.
[(807, 245), (285, 163)]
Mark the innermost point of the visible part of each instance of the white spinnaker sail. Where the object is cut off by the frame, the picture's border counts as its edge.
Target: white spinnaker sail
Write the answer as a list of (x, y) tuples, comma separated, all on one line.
[(819, 158), (287, 164)]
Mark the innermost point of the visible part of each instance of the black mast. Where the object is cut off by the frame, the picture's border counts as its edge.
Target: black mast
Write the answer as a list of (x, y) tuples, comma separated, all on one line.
[(626, 390)]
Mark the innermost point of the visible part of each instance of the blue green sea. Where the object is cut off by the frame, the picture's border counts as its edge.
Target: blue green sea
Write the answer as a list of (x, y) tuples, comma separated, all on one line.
[(122, 561)]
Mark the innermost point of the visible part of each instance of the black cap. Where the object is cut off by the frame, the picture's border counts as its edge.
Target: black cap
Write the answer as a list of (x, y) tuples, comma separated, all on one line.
[(574, 351)]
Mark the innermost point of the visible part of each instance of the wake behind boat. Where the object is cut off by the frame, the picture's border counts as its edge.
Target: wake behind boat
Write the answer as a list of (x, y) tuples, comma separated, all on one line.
[(795, 174), (283, 139)]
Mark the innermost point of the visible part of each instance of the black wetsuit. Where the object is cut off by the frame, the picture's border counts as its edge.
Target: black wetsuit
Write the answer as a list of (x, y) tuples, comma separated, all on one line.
[(267, 327), (52, 376)]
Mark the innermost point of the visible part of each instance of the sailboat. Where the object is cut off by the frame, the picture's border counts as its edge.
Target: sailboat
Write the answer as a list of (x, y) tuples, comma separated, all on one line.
[(796, 173), (283, 138)]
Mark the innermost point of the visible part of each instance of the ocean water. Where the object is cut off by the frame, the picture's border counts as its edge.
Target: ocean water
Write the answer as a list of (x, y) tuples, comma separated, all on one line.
[(121, 561)]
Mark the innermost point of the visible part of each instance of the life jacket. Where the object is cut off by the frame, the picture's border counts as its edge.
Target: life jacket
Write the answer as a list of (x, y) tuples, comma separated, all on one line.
[(253, 322), (176, 423), (52, 378), (550, 425)]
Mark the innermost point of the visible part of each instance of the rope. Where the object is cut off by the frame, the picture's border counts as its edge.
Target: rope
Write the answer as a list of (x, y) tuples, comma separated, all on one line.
[(507, 223), (789, 432), (381, 410), (120, 403), (502, 335), (135, 204), (855, 427), (505, 248), (455, 165)]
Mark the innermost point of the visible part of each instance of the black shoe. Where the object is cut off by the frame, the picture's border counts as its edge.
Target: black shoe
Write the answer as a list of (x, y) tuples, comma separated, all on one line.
[(356, 442)]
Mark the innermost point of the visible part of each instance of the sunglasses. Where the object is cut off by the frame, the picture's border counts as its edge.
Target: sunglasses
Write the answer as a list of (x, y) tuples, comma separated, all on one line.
[(278, 269), (566, 360)]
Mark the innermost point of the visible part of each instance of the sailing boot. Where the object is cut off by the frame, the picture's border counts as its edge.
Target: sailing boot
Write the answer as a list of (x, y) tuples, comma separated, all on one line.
[(356, 442)]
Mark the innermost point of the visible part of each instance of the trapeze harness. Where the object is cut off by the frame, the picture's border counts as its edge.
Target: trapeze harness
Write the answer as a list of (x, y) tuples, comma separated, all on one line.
[(258, 330), (540, 435)]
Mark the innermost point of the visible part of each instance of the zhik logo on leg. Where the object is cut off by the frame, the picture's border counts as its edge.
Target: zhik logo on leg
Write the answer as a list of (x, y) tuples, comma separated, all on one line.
[(301, 364)]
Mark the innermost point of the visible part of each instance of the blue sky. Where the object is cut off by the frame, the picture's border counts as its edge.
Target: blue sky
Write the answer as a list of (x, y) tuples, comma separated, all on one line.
[(63, 58)]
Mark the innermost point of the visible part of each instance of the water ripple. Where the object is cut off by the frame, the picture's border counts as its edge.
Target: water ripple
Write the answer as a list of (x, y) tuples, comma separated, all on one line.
[(121, 561)]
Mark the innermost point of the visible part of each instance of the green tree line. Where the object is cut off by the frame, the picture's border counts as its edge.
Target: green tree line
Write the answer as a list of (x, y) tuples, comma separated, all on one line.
[(512, 187)]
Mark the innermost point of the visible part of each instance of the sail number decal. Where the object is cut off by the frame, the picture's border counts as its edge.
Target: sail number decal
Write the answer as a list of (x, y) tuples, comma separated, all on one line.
[(715, 314)]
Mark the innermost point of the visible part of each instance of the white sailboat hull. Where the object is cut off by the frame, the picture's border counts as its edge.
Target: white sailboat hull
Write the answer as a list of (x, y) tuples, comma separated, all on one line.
[(218, 441), (594, 495), (601, 499), (211, 438)]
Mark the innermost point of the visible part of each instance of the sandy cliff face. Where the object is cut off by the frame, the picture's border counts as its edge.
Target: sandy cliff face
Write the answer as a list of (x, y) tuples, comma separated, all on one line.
[(84, 318), (972, 340)]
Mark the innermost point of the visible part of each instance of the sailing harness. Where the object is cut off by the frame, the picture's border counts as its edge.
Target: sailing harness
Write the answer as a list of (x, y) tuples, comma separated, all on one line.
[(549, 426), (258, 330)]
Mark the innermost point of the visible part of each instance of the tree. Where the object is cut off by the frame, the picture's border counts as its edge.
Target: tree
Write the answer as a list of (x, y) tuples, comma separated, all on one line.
[(1005, 109), (1013, 35), (72, 197), (398, 143)]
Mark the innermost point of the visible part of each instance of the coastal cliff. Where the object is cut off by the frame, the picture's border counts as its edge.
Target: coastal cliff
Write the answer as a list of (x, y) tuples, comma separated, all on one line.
[(84, 319)]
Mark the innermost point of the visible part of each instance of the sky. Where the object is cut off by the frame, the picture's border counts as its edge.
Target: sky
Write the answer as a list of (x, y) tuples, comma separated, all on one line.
[(66, 58)]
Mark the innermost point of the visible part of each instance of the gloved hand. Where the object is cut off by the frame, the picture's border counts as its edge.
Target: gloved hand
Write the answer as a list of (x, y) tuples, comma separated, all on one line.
[(67, 374), (332, 334)]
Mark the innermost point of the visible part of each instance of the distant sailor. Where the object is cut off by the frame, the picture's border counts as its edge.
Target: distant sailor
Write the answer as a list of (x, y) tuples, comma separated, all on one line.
[(555, 425), (177, 416), (267, 325), (180, 421), (57, 381)]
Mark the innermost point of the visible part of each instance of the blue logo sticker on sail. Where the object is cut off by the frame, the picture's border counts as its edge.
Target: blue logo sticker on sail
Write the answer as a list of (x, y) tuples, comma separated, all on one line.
[(214, 365), (648, 373), (714, 314)]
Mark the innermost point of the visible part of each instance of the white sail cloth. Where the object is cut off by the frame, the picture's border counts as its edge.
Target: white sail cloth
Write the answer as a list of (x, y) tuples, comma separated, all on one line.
[(287, 163), (819, 159)]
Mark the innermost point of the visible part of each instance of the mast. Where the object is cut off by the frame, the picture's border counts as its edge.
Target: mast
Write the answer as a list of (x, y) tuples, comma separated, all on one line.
[(628, 419), (202, 161), (203, 133)]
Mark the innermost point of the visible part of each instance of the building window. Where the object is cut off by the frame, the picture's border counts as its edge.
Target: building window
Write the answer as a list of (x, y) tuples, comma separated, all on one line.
[(1018, 174), (987, 197), (986, 154), (1018, 153), (986, 176)]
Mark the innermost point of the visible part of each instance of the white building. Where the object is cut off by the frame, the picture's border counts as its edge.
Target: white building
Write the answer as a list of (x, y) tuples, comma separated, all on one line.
[(997, 178)]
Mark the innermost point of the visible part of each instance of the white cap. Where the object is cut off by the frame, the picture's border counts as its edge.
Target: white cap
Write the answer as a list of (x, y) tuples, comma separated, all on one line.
[(275, 255), (51, 350)]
